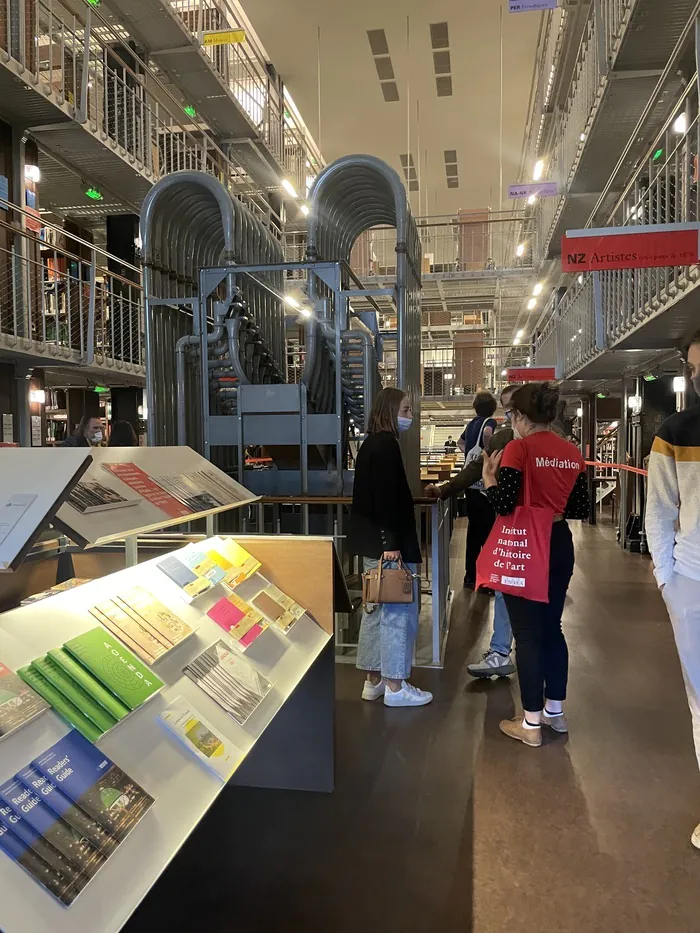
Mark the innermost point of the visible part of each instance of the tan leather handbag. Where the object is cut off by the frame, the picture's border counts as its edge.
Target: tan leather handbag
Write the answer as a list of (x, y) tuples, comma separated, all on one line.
[(387, 586)]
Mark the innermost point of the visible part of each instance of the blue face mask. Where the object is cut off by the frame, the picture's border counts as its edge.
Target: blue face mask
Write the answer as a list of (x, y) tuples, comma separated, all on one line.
[(404, 423)]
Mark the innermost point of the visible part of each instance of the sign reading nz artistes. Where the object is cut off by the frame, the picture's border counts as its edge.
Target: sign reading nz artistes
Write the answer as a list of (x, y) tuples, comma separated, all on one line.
[(527, 6), (639, 247), (531, 374), (541, 189)]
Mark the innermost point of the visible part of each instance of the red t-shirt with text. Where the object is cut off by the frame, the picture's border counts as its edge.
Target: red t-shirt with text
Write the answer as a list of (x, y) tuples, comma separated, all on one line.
[(551, 464)]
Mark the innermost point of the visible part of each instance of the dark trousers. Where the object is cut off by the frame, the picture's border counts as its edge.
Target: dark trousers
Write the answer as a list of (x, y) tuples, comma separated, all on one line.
[(481, 518), (541, 651)]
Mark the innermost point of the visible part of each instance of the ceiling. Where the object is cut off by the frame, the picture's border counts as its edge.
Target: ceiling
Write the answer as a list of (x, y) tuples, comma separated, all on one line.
[(355, 117)]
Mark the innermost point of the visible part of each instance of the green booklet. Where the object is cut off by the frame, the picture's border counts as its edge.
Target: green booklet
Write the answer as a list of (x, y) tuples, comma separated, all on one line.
[(84, 678), (114, 666), (74, 692)]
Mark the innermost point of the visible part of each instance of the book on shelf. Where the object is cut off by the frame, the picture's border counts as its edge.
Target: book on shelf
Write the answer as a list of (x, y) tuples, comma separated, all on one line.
[(88, 497), (241, 622), (42, 862), (231, 681), (62, 806), (214, 751), (84, 678), (58, 588), (114, 666), (162, 622), (200, 490), (72, 691), (27, 806), (19, 704), (60, 704), (128, 630), (237, 563), (191, 586), (201, 564), (92, 781), (277, 607)]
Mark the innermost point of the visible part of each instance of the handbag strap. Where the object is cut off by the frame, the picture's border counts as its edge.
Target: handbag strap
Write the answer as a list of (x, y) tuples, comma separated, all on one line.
[(527, 476)]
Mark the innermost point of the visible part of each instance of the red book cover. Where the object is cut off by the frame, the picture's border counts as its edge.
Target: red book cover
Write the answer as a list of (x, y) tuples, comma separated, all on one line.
[(142, 483)]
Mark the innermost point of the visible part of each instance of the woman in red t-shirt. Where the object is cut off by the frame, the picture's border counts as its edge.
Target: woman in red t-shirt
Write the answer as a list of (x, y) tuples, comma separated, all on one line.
[(555, 472)]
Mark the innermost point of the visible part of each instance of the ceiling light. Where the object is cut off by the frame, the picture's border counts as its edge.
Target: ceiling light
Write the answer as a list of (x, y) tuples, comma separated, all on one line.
[(289, 187), (448, 376), (516, 341), (520, 250), (537, 290), (305, 210), (634, 403), (681, 124), (539, 170), (532, 304), (504, 372), (292, 302), (580, 280), (32, 173), (305, 312), (679, 384), (532, 199), (582, 137), (579, 412), (520, 333), (37, 396)]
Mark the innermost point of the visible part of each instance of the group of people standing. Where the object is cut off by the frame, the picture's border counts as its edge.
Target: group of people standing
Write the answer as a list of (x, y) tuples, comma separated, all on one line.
[(90, 433), (526, 460)]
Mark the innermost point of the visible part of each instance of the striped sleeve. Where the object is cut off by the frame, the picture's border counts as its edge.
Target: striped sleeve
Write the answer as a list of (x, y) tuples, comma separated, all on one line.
[(662, 506)]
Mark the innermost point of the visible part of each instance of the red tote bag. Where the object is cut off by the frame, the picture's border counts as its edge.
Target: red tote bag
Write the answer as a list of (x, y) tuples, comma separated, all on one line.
[(515, 558)]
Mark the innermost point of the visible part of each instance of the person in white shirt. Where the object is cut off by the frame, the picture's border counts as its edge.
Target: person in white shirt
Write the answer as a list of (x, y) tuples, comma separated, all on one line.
[(673, 534)]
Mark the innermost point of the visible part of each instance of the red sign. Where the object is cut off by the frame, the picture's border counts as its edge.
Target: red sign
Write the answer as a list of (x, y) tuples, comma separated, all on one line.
[(532, 374), (33, 220), (142, 483), (630, 250)]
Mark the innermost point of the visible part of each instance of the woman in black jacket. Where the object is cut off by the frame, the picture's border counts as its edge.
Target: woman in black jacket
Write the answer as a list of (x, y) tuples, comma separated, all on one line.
[(383, 525)]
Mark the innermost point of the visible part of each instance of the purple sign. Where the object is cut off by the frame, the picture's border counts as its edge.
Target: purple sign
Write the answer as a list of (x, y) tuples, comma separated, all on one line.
[(541, 189), (527, 6)]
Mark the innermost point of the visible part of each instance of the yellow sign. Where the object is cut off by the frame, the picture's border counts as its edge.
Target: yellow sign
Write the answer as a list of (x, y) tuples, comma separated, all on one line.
[(223, 37)]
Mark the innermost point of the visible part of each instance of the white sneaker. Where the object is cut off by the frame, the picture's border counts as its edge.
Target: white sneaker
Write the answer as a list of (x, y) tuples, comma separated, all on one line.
[(492, 664), (695, 838), (372, 691), (408, 695)]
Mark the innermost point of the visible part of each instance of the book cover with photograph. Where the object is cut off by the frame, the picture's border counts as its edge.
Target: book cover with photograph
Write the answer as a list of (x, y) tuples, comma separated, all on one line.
[(117, 669), (93, 782), (43, 868), (230, 680), (29, 807), (19, 704), (279, 608), (65, 808), (215, 752), (237, 563), (88, 497), (241, 622)]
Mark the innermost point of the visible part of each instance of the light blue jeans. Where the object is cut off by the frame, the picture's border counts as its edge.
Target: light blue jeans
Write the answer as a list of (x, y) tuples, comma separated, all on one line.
[(388, 631), (502, 639)]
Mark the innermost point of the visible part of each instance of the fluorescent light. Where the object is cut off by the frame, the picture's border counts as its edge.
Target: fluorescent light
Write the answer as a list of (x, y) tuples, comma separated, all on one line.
[(532, 199), (537, 290), (520, 250), (520, 333), (289, 187), (579, 412), (681, 124), (516, 341), (447, 376), (634, 402), (504, 372), (532, 303), (32, 173), (539, 170), (292, 302), (37, 396), (580, 280), (679, 384), (305, 312), (582, 137), (305, 210)]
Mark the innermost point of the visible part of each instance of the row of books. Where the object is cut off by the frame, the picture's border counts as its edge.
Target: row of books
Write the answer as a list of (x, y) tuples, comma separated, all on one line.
[(66, 813)]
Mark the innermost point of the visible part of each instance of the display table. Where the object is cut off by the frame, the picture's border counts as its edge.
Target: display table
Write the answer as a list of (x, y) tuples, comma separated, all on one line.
[(297, 664)]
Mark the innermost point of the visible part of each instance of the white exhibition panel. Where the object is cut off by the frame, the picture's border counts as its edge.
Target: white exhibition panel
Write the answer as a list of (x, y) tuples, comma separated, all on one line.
[(33, 483), (184, 789), (113, 524)]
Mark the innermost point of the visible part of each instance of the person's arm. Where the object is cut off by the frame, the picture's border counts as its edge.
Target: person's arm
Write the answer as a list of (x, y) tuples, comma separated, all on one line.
[(488, 433), (578, 506), (503, 495), (461, 443), (471, 473), (662, 507), (385, 494)]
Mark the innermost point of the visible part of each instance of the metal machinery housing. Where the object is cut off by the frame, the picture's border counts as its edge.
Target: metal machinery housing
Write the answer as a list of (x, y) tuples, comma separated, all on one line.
[(216, 358)]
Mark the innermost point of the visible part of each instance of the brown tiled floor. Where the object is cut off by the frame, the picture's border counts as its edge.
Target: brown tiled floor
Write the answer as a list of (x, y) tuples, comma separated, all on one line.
[(439, 823)]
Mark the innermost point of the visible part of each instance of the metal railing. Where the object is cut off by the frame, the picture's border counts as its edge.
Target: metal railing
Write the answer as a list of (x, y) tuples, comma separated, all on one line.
[(663, 190), (243, 68), (461, 368), (85, 64), (59, 298)]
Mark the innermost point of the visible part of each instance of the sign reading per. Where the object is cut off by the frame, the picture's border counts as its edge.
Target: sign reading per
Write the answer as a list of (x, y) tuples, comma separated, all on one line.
[(601, 251)]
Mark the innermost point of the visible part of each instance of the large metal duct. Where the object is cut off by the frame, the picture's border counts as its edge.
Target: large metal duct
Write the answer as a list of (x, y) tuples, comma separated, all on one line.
[(189, 221), (352, 195)]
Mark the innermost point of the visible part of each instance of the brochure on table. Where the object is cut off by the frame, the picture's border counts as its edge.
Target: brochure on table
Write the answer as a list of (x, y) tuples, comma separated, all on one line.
[(141, 745), (134, 490), (34, 482)]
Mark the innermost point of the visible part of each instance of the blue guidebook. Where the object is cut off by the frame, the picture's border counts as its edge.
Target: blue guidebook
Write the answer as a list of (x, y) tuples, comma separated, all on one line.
[(92, 781)]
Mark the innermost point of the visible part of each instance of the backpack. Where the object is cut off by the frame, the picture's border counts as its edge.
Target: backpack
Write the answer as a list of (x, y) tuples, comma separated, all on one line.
[(476, 451)]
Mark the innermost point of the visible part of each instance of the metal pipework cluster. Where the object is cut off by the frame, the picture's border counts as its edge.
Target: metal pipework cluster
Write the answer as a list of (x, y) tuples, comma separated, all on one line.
[(190, 222), (349, 196)]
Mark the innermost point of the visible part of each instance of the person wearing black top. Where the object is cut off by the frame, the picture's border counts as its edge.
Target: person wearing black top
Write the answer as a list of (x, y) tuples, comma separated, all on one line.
[(383, 526), (122, 435), (88, 434)]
